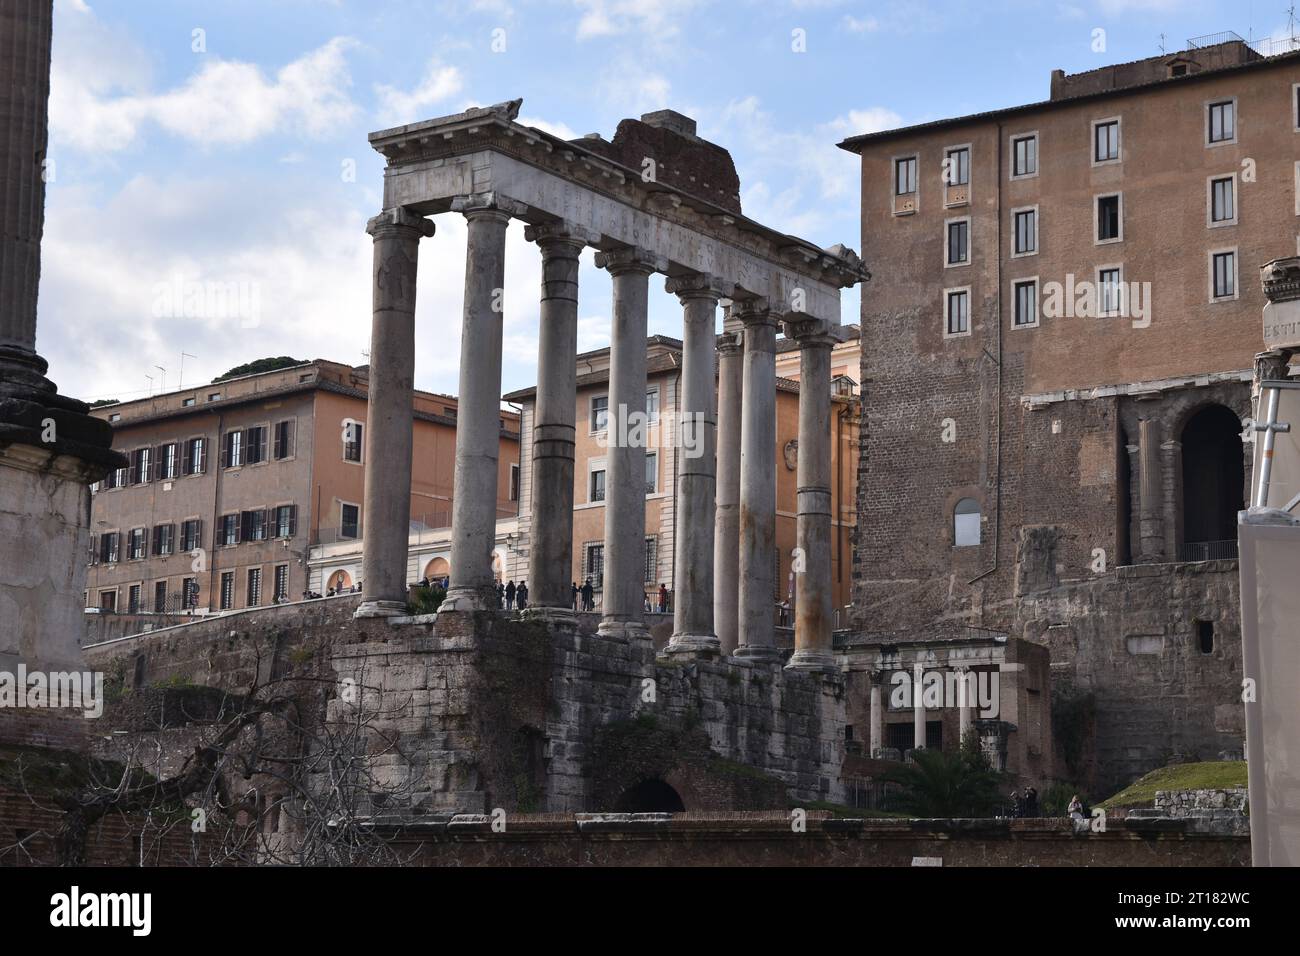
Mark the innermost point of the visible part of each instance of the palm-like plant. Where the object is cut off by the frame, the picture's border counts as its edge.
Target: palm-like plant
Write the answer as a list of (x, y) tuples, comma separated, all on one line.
[(938, 784)]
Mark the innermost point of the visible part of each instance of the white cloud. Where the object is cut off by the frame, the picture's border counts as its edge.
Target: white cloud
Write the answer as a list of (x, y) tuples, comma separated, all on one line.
[(860, 24), (653, 19), (873, 119), (100, 100), (1120, 7), (397, 107)]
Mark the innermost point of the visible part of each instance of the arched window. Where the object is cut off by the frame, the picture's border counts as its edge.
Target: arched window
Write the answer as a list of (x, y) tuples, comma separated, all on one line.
[(966, 523), (1213, 484)]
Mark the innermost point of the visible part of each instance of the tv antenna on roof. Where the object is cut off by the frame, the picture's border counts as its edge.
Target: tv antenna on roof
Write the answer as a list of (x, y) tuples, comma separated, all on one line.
[(184, 355), (1162, 44)]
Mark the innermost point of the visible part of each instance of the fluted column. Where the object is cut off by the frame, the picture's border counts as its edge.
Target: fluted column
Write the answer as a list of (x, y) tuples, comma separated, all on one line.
[(623, 598), (877, 714), (757, 636), (478, 416), (386, 518), (693, 631), (814, 605), (550, 555), (726, 539)]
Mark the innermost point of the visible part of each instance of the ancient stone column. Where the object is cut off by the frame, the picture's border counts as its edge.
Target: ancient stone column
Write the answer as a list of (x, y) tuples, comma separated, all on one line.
[(51, 449), (623, 597), (965, 701), (877, 739), (386, 518), (696, 483), (550, 555), (918, 708), (726, 539), (478, 416), (814, 604), (757, 636), (1150, 483)]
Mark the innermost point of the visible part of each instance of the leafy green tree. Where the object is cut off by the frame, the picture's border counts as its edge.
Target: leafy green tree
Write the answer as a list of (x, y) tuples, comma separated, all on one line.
[(260, 365), (938, 784)]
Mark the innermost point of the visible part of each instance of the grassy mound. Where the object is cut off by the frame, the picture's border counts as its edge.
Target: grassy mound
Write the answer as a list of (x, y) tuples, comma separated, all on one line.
[(1210, 775)]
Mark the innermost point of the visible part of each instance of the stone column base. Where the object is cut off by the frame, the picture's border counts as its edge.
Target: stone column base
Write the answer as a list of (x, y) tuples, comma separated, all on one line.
[(700, 645), (623, 630), (380, 609), (758, 655), (818, 661), (470, 599), (559, 616)]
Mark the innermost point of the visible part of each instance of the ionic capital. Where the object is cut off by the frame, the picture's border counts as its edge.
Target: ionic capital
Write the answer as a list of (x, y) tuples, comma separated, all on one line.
[(631, 259), (399, 222), (561, 239), (698, 285), (488, 205), (814, 333), (754, 312)]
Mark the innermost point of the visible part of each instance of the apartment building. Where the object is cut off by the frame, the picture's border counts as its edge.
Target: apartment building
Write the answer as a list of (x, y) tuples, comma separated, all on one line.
[(1062, 321), (231, 484), (663, 362)]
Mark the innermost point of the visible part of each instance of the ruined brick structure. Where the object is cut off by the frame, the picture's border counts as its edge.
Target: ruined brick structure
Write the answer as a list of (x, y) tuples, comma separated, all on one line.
[(1070, 472)]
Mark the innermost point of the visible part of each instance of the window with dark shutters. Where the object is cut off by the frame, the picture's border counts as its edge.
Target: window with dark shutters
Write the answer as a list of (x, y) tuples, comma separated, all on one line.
[(284, 439)]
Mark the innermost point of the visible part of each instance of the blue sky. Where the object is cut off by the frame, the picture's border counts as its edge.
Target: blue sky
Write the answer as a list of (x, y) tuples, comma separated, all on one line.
[(225, 143)]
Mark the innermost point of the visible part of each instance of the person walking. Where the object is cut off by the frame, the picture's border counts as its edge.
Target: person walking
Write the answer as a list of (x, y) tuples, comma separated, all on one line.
[(511, 590), (521, 595)]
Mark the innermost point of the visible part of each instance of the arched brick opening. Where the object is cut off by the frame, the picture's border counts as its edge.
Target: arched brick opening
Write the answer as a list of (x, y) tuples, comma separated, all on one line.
[(649, 796), (1213, 483)]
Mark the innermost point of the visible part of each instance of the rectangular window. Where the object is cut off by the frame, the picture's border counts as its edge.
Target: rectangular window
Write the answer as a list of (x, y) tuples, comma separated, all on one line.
[(1224, 275), (957, 309), (255, 445), (651, 473), (281, 583), (1222, 122), (593, 561), (187, 402), (1223, 205), (1105, 141), (253, 525), (253, 596), (232, 451), (228, 531), (600, 413), (597, 486), (168, 461), (1111, 291), (164, 542), (1025, 298), (284, 439), (1108, 218), (514, 482), (196, 457), (651, 559), (133, 599), (956, 167), (1024, 156), (136, 546), (652, 405), (141, 466), (905, 176), (189, 593), (353, 435), (227, 590), (191, 533), (108, 547), (350, 521), (1025, 232), (160, 597), (286, 521), (108, 600), (958, 242)]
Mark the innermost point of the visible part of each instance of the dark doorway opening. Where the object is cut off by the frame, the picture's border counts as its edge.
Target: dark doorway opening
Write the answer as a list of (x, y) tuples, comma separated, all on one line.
[(1214, 480), (649, 796)]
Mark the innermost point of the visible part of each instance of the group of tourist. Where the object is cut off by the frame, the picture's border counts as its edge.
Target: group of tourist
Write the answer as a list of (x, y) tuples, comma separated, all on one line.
[(585, 594), (1024, 803), (511, 596)]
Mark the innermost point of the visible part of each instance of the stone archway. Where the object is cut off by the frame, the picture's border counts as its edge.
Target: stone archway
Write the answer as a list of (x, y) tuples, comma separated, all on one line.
[(1213, 483), (649, 796)]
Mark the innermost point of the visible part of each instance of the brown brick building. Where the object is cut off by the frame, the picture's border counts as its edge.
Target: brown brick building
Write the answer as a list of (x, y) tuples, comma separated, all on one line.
[(230, 484), (1060, 331)]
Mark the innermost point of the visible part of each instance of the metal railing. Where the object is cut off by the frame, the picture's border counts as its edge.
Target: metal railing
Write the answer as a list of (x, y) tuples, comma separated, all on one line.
[(1208, 550), (1214, 39)]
